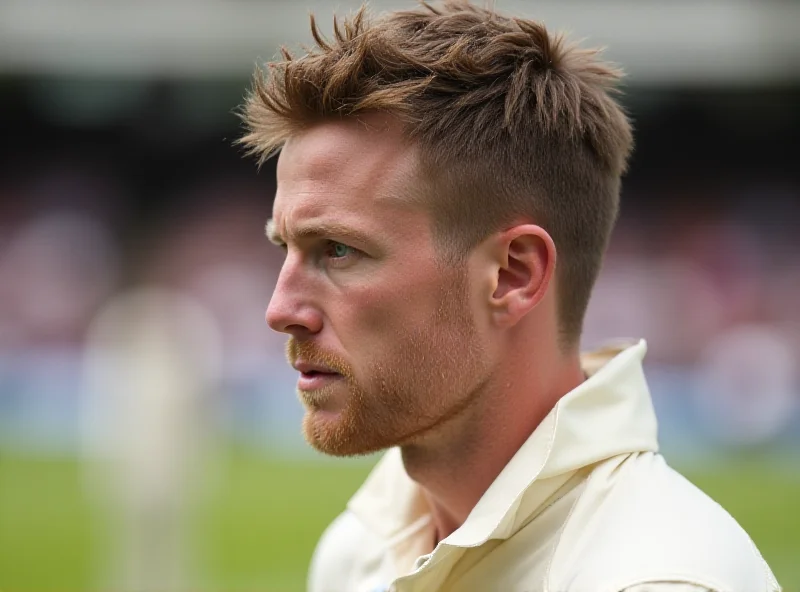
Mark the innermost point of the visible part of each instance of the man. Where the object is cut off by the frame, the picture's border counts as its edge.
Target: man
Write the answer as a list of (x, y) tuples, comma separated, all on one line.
[(447, 184)]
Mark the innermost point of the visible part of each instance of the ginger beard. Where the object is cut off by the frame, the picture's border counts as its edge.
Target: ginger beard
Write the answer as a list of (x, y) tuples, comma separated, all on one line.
[(426, 376)]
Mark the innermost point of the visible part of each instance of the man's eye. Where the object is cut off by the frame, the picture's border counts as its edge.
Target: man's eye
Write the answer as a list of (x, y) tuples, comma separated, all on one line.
[(339, 250)]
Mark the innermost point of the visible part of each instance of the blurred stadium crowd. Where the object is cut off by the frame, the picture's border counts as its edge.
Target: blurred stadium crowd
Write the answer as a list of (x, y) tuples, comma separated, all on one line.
[(112, 186)]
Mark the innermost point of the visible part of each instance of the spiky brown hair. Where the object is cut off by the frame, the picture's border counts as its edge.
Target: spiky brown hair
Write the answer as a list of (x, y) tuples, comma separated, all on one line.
[(510, 121)]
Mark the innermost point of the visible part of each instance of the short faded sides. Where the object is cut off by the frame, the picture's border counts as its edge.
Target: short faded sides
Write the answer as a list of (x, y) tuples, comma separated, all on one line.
[(511, 121)]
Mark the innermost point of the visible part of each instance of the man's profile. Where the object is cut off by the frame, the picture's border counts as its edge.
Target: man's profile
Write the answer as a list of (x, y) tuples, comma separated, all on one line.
[(447, 184)]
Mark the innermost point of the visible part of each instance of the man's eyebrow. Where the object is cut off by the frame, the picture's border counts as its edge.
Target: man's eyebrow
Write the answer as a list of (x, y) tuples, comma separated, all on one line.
[(316, 230)]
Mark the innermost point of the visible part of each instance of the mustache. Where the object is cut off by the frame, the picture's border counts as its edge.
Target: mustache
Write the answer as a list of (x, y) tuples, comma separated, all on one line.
[(313, 354)]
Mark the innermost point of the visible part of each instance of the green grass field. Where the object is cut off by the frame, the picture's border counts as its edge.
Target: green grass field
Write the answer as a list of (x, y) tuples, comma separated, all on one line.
[(258, 526)]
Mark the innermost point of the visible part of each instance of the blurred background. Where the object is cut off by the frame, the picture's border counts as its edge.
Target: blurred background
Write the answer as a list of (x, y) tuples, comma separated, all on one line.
[(131, 229)]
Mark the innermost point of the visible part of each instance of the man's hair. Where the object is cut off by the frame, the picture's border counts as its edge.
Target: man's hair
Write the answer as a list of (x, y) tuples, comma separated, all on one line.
[(511, 122)]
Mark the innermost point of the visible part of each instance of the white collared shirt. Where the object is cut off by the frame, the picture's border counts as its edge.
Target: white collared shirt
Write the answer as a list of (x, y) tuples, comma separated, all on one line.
[(586, 505)]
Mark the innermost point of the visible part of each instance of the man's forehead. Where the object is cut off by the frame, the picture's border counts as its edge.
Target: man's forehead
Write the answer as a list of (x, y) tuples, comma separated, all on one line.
[(372, 153), (345, 169)]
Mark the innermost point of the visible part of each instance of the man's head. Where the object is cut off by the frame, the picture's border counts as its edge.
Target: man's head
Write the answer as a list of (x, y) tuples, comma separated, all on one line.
[(434, 161)]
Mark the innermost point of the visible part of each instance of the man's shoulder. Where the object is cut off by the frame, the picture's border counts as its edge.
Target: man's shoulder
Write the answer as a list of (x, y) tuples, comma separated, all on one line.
[(647, 522), (339, 551)]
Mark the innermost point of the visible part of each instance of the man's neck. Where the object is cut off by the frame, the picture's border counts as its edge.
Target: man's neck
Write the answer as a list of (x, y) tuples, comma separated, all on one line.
[(455, 466)]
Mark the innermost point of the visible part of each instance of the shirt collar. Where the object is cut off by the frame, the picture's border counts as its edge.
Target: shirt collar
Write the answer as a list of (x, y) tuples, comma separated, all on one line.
[(610, 413)]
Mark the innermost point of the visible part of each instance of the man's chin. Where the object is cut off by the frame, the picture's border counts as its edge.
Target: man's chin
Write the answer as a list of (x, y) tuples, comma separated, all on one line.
[(331, 433)]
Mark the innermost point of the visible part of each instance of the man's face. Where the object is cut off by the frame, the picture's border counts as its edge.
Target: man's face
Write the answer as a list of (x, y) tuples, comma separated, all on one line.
[(384, 336)]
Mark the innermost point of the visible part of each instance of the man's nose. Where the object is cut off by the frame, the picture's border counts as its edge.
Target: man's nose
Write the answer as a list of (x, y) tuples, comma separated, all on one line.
[(290, 309)]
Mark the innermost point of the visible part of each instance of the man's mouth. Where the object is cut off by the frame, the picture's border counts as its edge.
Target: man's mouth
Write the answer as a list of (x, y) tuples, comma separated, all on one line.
[(304, 367), (315, 379), (311, 373), (314, 376)]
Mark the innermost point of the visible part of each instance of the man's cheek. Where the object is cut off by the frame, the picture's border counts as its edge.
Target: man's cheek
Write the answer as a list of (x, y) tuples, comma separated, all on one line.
[(374, 322), (377, 310)]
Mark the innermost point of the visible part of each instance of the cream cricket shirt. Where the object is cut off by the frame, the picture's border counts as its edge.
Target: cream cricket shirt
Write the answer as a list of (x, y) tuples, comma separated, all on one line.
[(586, 505)]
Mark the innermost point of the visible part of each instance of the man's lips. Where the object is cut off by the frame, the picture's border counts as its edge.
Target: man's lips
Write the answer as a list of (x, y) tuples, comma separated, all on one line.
[(311, 369), (314, 376)]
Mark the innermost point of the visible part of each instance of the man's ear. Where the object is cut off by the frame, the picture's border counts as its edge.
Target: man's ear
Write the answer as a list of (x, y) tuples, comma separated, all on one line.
[(525, 259)]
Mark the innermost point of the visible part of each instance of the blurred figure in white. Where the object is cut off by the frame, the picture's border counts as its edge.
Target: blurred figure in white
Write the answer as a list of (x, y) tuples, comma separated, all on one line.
[(153, 359), (748, 384)]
